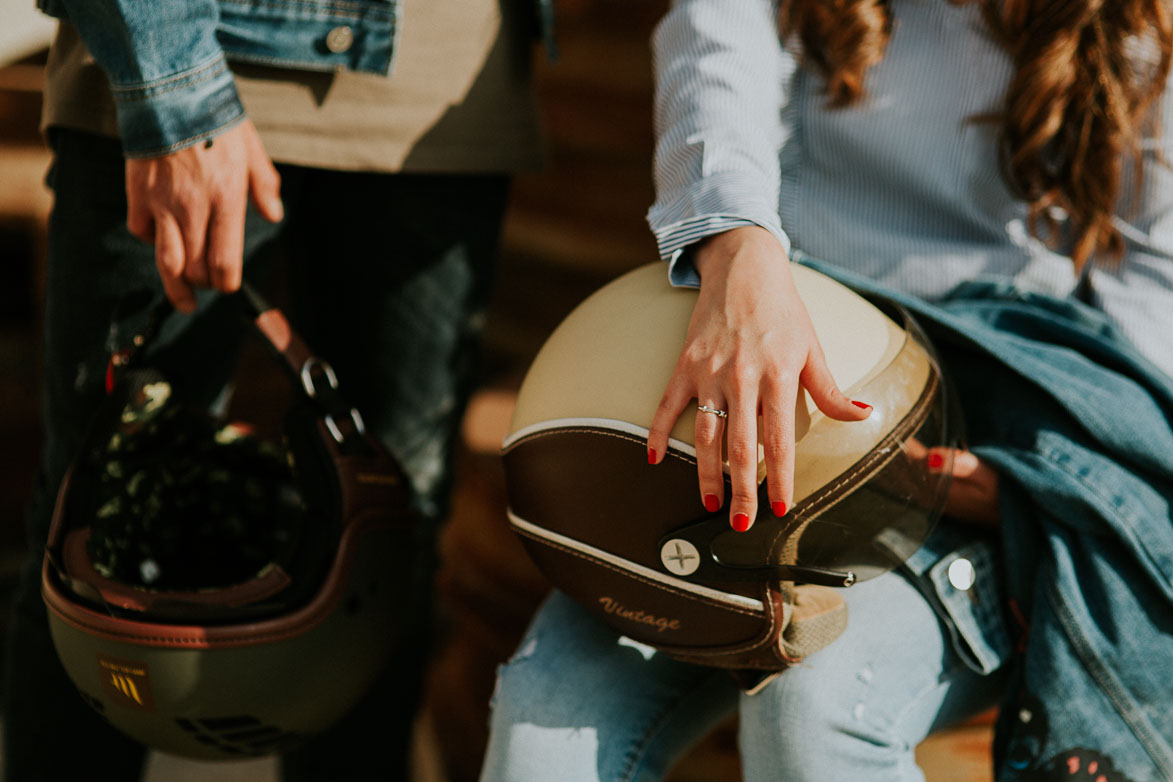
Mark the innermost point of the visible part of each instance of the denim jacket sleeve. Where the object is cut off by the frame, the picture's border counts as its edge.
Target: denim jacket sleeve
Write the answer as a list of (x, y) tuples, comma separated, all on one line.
[(167, 60), (715, 60), (167, 70)]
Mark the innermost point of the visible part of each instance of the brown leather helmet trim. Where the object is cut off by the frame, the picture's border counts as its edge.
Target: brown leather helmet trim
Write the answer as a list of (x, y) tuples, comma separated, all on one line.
[(815, 505), (697, 621), (77, 564), (759, 653), (883, 452), (536, 551), (594, 485), (157, 635)]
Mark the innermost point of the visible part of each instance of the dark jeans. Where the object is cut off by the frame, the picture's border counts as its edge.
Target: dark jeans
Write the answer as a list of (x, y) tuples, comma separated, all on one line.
[(388, 277)]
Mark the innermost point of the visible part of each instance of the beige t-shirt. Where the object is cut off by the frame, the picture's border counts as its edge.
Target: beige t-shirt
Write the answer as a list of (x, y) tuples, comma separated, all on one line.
[(458, 98)]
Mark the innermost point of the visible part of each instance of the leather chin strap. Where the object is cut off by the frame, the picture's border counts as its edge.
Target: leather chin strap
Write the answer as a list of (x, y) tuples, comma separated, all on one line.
[(806, 619)]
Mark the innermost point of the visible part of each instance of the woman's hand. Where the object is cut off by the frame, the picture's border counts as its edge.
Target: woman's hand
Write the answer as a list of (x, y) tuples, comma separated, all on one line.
[(749, 351), (973, 492)]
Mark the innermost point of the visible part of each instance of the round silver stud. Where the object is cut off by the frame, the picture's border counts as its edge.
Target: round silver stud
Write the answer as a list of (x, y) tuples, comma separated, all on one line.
[(680, 557)]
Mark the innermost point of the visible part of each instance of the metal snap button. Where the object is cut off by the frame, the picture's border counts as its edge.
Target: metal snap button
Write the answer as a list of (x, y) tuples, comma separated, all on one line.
[(680, 557), (962, 574), (340, 39)]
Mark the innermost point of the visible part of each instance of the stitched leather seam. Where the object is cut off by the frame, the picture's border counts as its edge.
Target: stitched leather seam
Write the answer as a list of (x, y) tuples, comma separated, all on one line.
[(627, 573)]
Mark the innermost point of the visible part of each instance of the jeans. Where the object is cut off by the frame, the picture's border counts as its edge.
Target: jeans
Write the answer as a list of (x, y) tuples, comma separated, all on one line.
[(387, 278), (578, 703)]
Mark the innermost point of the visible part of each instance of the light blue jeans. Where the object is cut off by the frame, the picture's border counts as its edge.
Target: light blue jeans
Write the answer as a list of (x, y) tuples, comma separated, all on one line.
[(577, 703)]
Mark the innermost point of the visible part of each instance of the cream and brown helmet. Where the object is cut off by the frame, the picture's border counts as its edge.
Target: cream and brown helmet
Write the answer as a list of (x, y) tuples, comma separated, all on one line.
[(632, 541)]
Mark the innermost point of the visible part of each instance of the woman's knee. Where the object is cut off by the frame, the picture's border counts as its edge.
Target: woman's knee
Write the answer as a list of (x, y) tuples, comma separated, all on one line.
[(853, 708), (532, 723), (553, 698), (579, 703)]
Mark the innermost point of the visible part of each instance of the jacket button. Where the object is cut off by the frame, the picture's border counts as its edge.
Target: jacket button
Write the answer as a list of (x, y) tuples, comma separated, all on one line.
[(340, 39), (962, 574)]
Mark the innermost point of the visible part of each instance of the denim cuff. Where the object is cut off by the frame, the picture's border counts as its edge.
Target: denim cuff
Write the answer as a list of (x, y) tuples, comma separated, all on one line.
[(169, 114)]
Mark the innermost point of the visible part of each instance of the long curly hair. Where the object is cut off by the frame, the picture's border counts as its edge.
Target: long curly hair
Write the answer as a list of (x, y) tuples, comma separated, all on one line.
[(1087, 74)]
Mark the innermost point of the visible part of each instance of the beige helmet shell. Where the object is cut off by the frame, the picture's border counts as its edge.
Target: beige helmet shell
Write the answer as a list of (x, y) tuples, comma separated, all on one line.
[(621, 345), (632, 542)]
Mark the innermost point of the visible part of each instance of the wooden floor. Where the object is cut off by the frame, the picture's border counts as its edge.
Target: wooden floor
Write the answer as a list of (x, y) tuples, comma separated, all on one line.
[(571, 228)]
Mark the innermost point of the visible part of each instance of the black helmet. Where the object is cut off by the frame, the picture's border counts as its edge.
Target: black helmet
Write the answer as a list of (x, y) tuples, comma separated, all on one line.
[(217, 595)]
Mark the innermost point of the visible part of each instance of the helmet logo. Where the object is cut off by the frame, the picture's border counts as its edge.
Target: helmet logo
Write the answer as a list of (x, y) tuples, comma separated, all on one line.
[(127, 682), (680, 557), (661, 623)]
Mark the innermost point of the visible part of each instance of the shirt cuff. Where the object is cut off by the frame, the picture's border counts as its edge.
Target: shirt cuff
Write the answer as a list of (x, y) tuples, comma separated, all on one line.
[(167, 115), (675, 241), (711, 205)]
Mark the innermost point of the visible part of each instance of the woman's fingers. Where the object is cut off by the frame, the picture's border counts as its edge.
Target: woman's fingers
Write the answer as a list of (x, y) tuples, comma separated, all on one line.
[(709, 435), (741, 445), (817, 380), (973, 491), (708, 438), (778, 395), (751, 343), (676, 398)]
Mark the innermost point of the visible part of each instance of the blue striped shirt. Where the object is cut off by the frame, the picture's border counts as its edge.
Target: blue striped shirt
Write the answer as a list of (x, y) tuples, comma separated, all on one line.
[(904, 187)]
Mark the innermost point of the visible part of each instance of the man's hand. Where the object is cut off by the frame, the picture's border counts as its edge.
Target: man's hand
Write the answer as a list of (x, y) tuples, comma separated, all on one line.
[(191, 205)]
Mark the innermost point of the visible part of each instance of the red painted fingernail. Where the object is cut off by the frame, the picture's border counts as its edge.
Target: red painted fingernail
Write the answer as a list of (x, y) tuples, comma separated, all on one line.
[(936, 460), (861, 405), (740, 522), (651, 456), (779, 508), (712, 503)]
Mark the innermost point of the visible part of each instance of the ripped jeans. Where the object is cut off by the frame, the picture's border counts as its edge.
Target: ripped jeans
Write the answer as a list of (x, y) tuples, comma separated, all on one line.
[(578, 703)]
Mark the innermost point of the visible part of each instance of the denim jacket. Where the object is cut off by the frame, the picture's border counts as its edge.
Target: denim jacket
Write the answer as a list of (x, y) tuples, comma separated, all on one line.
[(1079, 426), (167, 60)]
